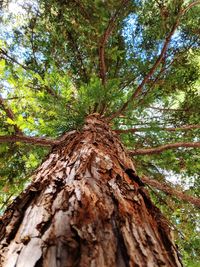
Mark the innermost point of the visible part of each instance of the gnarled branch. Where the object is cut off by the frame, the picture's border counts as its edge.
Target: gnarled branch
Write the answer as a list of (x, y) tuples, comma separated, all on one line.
[(171, 191), (160, 149)]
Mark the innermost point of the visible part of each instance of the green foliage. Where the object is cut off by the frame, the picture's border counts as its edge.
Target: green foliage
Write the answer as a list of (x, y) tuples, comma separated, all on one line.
[(94, 96), (50, 77)]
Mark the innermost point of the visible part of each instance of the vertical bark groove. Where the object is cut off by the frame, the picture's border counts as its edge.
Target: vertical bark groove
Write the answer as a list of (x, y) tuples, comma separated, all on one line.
[(86, 207)]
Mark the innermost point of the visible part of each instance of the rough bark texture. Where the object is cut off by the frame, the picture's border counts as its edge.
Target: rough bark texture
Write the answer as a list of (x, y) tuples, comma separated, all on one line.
[(86, 207)]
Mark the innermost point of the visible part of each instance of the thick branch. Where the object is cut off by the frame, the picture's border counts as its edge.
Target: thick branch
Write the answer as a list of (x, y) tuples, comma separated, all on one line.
[(157, 62), (160, 149), (35, 140), (28, 140), (169, 129), (171, 191), (104, 39)]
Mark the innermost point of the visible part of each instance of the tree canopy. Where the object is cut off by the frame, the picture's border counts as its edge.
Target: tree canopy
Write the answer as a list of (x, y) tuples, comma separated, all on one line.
[(135, 62)]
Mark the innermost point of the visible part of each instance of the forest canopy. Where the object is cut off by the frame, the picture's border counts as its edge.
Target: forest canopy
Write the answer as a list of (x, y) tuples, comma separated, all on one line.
[(135, 62)]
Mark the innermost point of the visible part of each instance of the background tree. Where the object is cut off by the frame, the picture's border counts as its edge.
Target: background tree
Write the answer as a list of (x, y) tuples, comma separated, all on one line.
[(136, 63)]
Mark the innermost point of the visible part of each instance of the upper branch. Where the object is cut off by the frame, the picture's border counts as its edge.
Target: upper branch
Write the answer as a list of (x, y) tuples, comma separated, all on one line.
[(157, 62), (160, 149), (171, 191), (104, 39)]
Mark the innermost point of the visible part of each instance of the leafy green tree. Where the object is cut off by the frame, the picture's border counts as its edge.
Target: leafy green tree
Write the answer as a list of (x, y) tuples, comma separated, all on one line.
[(79, 74)]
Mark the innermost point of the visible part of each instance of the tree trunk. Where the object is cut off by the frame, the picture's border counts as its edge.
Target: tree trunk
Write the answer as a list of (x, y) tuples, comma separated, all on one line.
[(86, 207)]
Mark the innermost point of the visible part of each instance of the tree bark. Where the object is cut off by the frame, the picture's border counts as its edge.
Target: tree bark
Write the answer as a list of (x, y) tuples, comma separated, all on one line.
[(86, 207)]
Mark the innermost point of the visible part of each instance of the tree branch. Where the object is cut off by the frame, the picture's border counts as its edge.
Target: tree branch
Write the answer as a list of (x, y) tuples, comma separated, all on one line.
[(28, 140), (12, 59), (157, 62), (155, 81), (168, 109), (9, 113), (169, 129), (190, 6), (83, 11), (171, 191), (160, 149), (35, 140), (77, 51), (104, 39)]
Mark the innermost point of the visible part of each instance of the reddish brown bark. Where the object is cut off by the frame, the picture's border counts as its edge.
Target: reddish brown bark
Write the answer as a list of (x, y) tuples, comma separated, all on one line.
[(86, 207)]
